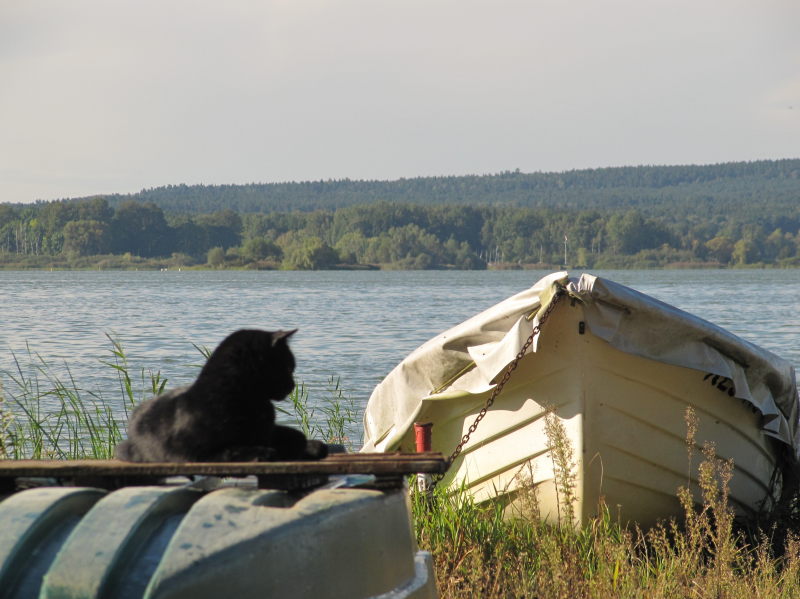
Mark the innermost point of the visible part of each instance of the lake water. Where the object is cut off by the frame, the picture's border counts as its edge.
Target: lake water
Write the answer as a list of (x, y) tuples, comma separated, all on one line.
[(352, 325)]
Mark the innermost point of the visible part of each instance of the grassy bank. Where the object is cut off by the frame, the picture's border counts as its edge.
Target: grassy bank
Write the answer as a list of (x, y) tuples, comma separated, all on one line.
[(707, 553), (46, 414), (477, 552)]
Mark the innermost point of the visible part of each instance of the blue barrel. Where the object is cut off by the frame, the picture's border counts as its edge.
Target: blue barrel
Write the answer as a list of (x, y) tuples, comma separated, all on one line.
[(160, 542)]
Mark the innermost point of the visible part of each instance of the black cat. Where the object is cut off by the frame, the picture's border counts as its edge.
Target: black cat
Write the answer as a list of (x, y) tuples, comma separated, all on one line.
[(226, 415)]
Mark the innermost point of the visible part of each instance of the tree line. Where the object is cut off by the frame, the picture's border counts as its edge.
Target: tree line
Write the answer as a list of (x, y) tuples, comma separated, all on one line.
[(751, 231), (653, 190)]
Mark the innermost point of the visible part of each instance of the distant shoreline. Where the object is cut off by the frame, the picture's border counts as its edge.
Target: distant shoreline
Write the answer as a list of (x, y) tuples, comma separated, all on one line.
[(153, 264)]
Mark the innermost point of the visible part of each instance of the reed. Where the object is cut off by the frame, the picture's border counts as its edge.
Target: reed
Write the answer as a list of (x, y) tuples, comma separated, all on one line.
[(334, 418), (46, 415), (478, 551)]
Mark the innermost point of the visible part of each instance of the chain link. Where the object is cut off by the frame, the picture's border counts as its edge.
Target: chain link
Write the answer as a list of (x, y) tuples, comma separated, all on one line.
[(499, 387)]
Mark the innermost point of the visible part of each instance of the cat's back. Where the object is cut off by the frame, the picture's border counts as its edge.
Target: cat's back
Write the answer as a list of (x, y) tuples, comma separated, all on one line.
[(157, 410), (149, 426)]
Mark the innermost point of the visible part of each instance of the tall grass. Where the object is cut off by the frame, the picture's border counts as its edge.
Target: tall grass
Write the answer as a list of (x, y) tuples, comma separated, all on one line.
[(47, 416), (478, 551), (44, 415), (331, 418)]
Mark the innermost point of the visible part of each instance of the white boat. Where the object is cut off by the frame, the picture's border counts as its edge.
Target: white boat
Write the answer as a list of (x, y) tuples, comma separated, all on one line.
[(619, 369)]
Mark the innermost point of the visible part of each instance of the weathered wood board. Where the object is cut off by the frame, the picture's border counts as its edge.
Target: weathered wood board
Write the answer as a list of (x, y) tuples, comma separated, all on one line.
[(388, 467)]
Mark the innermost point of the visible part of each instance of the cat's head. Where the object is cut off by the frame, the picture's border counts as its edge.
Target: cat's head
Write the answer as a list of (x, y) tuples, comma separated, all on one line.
[(258, 363)]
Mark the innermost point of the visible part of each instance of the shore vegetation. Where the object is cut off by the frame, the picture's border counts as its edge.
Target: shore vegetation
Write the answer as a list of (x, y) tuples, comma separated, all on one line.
[(736, 215), (477, 550)]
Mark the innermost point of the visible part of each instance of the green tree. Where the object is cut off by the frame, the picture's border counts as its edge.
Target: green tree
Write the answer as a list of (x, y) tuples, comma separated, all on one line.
[(720, 248), (514, 234), (227, 219), (777, 246), (223, 228), (307, 253), (7, 215), (53, 217), (582, 257), (745, 251), (630, 233), (86, 237), (352, 247), (260, 248), (190, 238), (140, 229), (96, 209), (216, 257), (401, 245)]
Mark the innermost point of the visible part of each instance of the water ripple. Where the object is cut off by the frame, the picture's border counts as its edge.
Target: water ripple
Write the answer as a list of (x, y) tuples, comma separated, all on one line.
[(352, 325)]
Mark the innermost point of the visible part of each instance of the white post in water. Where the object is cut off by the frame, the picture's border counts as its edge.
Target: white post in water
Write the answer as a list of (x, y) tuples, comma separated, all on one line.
[(565, 250)]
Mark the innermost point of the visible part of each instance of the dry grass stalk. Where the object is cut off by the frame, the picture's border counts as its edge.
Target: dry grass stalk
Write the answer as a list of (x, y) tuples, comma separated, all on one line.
[(479, 553)]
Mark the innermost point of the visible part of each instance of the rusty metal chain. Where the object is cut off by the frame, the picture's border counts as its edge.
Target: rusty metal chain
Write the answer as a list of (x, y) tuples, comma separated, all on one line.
[(559, 293)]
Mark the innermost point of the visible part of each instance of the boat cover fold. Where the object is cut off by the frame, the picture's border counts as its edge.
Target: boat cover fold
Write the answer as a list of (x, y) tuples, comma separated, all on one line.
[(467, 359)]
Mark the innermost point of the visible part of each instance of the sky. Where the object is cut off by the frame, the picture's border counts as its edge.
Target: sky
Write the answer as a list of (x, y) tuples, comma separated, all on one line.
[(115, 96)]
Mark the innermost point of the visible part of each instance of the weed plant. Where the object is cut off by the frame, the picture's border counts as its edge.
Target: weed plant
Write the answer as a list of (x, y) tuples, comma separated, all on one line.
[(47, 416), (332, 421), (44, 415), (478, 551)]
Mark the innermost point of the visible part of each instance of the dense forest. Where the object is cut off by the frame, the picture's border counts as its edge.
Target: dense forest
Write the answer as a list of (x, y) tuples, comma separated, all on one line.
[(737, 214)]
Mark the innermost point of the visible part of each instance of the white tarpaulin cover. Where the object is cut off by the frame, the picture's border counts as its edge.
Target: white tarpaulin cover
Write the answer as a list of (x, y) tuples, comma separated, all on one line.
[(630, 321)]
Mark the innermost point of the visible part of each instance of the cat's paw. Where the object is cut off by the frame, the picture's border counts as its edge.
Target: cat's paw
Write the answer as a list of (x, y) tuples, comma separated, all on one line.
[(315, 450), (256, 453)]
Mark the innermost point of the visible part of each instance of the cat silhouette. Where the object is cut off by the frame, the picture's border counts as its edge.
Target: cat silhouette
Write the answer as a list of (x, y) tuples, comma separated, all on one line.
[(227, 413)]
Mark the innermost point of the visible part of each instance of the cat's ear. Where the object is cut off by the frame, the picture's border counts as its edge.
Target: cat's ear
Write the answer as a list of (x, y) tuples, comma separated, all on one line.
[(282, 335)]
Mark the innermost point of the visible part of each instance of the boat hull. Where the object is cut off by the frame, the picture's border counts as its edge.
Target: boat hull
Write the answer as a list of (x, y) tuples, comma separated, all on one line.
[(622, 416)]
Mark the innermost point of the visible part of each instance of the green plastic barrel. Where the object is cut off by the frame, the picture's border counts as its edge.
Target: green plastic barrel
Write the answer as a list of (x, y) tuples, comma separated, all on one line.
[(162, 542)]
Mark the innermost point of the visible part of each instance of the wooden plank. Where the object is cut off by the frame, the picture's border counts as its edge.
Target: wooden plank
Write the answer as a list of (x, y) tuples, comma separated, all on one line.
[(378, 464)]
